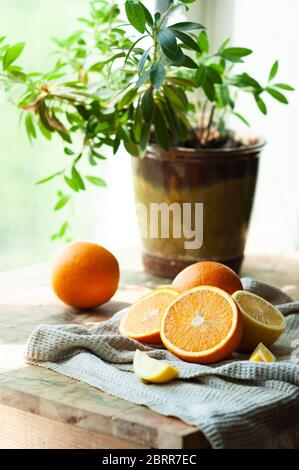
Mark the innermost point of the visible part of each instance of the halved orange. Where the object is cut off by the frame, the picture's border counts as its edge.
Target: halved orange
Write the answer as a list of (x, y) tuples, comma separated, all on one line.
[(202, 325), (142, 320)]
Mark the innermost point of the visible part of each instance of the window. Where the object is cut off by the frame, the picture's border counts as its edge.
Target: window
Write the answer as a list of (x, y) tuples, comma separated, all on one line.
[(273, 34)]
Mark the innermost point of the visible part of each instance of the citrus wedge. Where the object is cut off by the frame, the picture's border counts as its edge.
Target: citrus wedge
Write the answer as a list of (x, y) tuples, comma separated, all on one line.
[(262, 354), (153, 370), (263, 323), (202, 325), (142, 320)]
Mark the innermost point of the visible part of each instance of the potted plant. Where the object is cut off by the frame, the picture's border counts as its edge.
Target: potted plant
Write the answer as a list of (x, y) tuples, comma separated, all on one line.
[(164, 96)]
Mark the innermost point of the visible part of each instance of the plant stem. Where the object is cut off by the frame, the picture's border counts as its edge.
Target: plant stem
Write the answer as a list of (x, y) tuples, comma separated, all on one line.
[(201, 123), (203, 114), (155, 39), (210, 122)]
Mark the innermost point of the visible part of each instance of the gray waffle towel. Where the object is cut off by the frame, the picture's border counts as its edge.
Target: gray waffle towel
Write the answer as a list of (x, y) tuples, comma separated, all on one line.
[(235, 403)]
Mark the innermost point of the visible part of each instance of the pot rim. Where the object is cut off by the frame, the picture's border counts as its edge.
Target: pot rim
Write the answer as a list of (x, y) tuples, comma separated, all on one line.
[(155, 150)]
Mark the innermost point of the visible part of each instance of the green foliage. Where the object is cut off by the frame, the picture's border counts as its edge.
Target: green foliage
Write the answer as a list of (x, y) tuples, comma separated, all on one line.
[(125, 83)]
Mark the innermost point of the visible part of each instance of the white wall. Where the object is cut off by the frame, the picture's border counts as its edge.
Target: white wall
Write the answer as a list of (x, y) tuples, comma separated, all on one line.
[(270, 28)]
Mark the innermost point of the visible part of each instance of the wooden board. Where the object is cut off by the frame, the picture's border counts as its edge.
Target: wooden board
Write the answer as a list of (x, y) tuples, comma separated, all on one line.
[(26, 300), (19, 429)]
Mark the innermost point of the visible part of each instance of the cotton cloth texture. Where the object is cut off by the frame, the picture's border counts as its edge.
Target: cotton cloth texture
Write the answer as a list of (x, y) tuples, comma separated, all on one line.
[(235, 403)]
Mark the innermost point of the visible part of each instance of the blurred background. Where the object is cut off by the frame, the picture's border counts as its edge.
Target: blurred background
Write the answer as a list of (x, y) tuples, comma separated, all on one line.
[(108, 215)]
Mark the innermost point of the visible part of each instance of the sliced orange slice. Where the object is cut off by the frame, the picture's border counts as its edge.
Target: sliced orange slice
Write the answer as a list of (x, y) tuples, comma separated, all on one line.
[(143, 319), (202, 325)]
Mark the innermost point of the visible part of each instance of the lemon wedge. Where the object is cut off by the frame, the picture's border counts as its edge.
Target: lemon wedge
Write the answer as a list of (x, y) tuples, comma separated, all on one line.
[(262, 354), (262, 322), (152, 370)]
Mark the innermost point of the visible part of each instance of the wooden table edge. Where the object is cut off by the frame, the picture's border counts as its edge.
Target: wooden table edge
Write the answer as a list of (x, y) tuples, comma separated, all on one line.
[(110, 425)]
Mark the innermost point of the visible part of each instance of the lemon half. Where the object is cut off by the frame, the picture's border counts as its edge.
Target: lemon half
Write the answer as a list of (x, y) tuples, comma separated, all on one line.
[(152, 370), (263, 323)]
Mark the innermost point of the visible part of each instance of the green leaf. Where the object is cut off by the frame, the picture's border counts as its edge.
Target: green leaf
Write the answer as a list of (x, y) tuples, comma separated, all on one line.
[(91, 159), (96, 181), (47, 134), (273, 71), (157, 75), (231, 58), (186, 26), (187, 40), (181, 81), (49, 178), (189, 63), (200, 75), (172, 116), (277, 95), (284, 86), (209, 90), (68, 151), (43, 117), (143, 60), (137, 124), (223, 45), (157, 17), (63, 200), (261, 104), (99, 65), (242, 118), (133, 46), (97, 155), (62, 231), (246, 81), (136, 15), (143, 78), (127, 99), (30, 127), (237, 51), (132, 148), (177, 96), (123, 133), (145, 136), (213, 75), (12, 54), (71, 183), (224, 95), (77, 178), (116, 144), (66, 137), (203, 42), (161, 130), (147, 106), (170, 47), (2, 39), (148, 16)]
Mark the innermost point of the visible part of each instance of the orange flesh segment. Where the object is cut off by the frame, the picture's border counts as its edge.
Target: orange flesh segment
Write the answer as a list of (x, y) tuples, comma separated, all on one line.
[(199, 321)]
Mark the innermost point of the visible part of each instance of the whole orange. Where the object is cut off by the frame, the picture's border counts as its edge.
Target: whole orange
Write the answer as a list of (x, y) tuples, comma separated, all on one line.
[(207, 273), (84, 275)]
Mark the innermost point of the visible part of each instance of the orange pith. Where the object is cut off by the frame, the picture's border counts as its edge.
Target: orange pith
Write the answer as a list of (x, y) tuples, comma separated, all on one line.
[(143, 319), (202, 325)]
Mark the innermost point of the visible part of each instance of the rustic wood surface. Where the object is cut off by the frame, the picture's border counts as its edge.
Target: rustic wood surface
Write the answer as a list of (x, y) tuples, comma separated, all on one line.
[(26, 300)]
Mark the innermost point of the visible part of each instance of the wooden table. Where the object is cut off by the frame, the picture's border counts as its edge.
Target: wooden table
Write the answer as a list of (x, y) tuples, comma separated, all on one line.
[(42, 409)]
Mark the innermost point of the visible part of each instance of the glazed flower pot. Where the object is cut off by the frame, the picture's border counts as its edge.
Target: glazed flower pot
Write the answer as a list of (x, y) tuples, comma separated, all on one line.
[(216, 188)]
